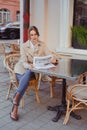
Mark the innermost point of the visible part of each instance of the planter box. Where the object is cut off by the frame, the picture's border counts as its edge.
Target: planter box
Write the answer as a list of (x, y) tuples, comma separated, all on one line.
[(76, 45)]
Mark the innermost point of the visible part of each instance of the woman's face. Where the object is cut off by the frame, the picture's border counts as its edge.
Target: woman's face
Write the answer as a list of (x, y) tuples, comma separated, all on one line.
[(33, 37)]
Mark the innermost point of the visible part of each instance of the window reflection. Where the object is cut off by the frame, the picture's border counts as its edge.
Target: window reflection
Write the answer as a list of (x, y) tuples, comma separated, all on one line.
[(78, 66), (80, 13)]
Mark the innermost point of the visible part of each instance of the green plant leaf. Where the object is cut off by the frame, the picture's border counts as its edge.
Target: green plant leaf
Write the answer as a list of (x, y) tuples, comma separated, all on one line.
[(79, 33)]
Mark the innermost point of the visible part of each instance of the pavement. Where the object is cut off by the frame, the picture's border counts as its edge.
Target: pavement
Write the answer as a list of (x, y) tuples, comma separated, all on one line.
[(9, 41), (35, 116)]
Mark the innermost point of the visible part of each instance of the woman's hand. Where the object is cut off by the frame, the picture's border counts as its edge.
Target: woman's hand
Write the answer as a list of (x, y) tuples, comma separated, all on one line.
[(54, 61)]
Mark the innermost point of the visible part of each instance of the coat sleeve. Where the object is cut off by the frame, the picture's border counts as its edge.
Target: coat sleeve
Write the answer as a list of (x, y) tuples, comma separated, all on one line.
[(46, 50), (50, 52), (23, 58)]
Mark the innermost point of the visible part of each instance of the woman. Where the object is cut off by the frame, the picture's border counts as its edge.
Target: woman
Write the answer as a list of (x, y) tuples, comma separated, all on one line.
[(33, 47)]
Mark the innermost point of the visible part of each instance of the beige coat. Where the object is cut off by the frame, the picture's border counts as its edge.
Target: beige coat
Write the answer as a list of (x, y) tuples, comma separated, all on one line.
[(27, 55)]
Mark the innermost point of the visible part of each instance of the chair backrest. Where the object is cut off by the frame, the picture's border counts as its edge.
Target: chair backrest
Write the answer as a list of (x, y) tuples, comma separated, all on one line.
[(2, 49), (15, 47), (9, 63), (83, 78)]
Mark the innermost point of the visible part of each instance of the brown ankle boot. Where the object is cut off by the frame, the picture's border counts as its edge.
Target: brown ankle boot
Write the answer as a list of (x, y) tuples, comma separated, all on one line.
[(14, 113), (15, 98)]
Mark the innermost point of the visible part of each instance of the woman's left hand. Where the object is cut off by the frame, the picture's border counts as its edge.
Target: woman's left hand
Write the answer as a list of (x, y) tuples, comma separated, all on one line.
[(54, 61)]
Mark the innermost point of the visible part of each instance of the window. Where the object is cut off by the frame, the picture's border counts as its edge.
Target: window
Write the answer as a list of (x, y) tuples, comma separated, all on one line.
[(4, 16), (79, 33), (80, 13)]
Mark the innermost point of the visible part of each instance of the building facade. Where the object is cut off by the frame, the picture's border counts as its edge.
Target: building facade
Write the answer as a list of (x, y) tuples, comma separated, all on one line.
[(9, 10), (55, 20)]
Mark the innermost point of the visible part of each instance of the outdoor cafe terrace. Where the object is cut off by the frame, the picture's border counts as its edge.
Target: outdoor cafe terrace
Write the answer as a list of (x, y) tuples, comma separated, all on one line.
[(35, 116)]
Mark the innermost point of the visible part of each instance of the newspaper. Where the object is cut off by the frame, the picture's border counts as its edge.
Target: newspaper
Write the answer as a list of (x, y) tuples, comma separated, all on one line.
[(43, 62)]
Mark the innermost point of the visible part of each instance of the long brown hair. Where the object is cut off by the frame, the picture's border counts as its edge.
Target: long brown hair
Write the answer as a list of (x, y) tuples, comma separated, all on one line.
[(35, 29)]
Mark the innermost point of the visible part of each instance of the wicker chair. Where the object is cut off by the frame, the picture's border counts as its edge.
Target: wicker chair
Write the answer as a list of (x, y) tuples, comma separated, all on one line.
[(3, 50), (9, 63), (76, 96), (51, 79), (15, 48)]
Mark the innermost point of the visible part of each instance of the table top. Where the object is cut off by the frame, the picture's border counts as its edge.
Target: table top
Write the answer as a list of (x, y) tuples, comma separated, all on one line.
[(67, 68)]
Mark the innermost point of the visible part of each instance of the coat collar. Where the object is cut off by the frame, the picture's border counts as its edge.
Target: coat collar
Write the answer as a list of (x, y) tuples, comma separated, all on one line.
[(29, 45)]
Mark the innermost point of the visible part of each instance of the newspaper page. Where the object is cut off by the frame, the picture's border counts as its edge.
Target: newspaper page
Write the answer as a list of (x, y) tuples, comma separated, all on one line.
[(43, 62)]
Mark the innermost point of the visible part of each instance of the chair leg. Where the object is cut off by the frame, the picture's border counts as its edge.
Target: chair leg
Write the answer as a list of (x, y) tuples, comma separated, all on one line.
[(37, 95), (52, 87), (9, 89), (39, 81), (67, 113)]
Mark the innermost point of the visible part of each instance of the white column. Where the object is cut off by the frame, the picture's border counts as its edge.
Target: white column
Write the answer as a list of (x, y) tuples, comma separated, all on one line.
[(37, 15), (66, 17)]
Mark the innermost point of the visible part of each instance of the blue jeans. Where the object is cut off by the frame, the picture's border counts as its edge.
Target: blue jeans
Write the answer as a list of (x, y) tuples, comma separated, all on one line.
[(23, 82)]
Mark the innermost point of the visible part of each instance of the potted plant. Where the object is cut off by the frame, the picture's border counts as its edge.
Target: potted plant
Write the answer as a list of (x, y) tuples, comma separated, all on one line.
[(79, 37)]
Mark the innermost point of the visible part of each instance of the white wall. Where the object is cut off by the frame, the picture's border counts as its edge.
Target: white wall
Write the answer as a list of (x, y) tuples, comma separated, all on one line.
[(54, 19), (37, 15), (53, 23)]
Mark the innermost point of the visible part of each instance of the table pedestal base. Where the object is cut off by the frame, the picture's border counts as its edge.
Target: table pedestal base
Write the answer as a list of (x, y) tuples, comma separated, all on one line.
[(61, 110)]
